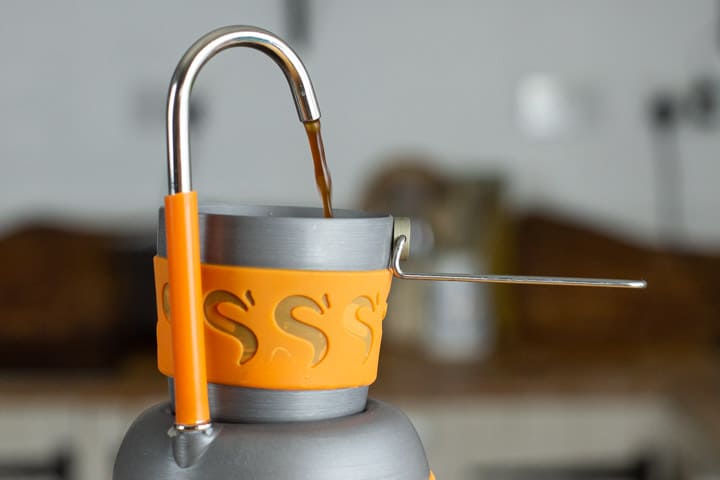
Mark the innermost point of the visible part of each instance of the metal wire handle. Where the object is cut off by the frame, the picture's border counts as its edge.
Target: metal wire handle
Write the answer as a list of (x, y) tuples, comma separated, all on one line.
[(522, 280)]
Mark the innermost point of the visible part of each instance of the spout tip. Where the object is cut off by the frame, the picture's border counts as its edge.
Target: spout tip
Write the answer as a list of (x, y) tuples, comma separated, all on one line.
[(190, 444)]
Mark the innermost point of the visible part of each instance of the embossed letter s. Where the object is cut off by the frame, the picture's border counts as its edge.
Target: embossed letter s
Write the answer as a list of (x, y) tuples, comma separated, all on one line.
[(231, 326)]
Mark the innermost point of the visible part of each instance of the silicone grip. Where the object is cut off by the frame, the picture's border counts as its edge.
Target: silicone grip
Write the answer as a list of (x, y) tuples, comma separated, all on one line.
[(283, 329), (188, 339)]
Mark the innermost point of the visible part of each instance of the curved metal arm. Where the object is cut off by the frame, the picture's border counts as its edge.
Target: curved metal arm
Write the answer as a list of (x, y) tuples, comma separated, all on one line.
[(178, 103), (525, 280)]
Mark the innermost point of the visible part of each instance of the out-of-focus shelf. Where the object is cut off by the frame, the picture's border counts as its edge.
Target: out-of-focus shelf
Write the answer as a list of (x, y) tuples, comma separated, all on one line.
[(626, 394), (137, 379), (525, 369), (686, 377), (677, 372), (689, 377)]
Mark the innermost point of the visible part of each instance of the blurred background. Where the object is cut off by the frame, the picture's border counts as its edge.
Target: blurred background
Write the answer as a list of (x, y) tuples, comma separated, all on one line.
[(531, 137)]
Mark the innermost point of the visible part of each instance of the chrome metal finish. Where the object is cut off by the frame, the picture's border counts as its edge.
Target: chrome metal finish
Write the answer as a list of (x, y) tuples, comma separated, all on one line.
[(296, 238), (523, 280), (260, 405), (200, 427), (178, 103), (402, 226), (189, 443)]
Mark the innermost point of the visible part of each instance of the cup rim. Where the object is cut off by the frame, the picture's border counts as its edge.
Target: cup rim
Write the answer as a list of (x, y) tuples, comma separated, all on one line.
[(284, 211), (290, 237)]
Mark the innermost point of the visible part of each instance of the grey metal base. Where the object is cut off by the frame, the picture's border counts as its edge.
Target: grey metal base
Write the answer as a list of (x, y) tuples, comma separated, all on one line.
[(379, 442), (260, 405)]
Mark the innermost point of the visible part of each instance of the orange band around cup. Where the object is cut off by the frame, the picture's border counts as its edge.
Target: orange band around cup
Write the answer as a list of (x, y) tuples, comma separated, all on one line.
[(283, 329)]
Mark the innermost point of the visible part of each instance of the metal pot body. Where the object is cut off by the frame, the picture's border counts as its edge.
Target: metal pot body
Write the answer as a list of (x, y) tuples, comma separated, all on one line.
[(379, 442), (290, 421)]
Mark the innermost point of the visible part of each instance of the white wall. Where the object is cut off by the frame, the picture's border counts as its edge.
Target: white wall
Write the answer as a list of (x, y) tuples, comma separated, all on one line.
[(83, 85)]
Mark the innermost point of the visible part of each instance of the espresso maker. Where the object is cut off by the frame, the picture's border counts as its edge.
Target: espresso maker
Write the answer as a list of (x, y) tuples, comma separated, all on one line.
[(269, 323)]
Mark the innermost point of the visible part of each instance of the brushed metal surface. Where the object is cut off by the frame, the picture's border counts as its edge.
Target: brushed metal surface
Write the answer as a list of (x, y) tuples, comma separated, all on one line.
[(296, 238), (260, 405), (379, 442)]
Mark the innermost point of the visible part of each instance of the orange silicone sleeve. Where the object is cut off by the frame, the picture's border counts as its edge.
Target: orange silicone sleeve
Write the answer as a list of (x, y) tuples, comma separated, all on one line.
[(185, 302), (283, 329)]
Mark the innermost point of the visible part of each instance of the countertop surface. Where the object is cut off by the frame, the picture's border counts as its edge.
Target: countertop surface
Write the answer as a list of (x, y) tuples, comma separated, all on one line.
[(688, 377)]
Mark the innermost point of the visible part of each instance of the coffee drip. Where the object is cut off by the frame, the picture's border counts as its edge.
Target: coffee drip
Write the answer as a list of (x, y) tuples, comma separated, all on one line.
[(322, 174)]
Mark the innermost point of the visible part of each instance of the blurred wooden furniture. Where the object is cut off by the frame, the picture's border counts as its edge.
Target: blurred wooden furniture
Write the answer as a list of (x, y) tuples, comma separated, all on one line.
[(681, 305), (73, 299)]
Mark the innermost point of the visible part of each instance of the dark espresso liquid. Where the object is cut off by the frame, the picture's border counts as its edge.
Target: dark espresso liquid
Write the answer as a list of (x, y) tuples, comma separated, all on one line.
[(322, 174)]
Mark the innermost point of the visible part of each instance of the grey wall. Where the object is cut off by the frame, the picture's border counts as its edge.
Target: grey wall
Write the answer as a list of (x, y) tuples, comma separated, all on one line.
[(83, 85)]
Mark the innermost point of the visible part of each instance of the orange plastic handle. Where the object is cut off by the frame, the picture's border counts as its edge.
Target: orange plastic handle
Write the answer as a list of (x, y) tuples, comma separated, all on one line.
[(188, 336)]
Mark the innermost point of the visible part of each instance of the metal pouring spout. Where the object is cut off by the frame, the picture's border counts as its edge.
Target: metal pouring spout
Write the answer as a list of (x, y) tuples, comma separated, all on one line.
[(178, 102), (183, 251)]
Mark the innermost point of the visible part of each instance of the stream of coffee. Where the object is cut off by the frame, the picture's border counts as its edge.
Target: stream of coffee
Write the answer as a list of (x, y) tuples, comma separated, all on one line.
[(322, 174)]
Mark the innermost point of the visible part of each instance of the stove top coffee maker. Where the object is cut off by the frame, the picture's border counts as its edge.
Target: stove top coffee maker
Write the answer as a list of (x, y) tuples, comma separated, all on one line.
[(270, 319)]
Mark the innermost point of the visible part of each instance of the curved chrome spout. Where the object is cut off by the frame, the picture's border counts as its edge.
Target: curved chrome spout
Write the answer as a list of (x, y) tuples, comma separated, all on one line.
[(178, 103)]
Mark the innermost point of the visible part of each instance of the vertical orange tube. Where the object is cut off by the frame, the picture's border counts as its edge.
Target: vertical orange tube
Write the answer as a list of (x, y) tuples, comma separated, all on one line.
[(188, 339)]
